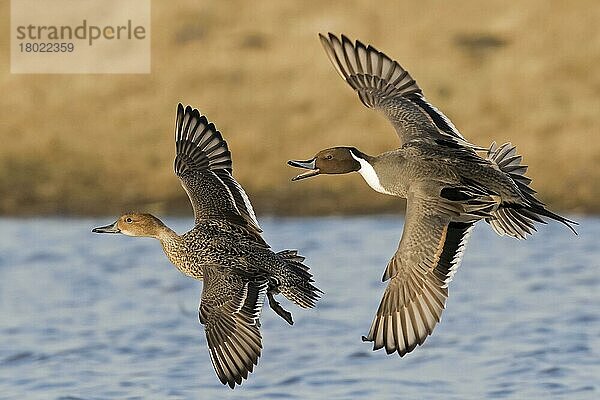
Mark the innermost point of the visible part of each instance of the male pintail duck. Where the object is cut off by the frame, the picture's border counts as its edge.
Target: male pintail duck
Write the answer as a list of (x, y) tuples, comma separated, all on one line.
[(225, 249), (448, 188)]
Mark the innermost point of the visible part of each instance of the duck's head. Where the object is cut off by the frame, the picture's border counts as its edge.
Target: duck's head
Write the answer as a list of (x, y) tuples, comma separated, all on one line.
[(335, 160), (134, 224)]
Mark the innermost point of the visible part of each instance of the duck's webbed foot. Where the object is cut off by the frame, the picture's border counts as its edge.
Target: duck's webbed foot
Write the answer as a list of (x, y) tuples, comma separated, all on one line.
[(275, 306)]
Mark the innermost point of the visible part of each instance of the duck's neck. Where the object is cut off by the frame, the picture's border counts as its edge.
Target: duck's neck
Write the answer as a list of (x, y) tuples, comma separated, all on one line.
[(367, 171), (166, 235), (170, 242)]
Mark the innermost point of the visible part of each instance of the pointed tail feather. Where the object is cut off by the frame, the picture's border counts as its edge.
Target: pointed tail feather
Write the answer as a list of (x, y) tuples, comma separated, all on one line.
[(297, 286), (518, 220)]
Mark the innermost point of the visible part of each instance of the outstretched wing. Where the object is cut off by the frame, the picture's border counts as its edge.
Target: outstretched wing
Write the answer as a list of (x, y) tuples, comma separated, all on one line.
[(429, 253), (230, 310), (203, 164), (382, 84)]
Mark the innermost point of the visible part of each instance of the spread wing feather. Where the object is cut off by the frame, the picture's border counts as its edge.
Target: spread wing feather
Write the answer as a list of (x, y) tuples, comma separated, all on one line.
[(429, 254), (203, 164), (229, 310), (383, 84)]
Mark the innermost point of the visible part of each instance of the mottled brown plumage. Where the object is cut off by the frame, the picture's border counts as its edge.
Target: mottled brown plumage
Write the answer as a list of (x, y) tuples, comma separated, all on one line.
[(225, 249)]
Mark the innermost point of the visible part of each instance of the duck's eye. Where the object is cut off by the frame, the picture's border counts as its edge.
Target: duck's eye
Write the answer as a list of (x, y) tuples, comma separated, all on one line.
[(128, 220), (328, 157)]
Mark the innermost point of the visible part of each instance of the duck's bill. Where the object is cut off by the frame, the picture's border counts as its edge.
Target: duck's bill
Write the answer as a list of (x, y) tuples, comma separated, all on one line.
[(112, 228), (310, 165)]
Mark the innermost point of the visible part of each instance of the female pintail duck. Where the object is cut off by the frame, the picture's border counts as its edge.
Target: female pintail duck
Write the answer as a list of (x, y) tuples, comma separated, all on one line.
[(448, 188), (225, 249)]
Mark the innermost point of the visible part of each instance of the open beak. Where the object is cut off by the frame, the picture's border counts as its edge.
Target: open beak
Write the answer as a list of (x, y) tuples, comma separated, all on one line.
[(309, 164), (112, 228)]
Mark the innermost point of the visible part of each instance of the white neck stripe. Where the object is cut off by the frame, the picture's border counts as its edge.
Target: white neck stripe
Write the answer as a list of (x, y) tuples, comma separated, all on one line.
[(369, 174)]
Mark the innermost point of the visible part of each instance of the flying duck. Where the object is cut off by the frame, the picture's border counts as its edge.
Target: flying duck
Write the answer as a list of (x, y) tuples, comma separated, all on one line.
[(447, 184), (224, 249)]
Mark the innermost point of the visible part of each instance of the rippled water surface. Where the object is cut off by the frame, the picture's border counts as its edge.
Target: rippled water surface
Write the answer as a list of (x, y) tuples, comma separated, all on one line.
[(107, 317)]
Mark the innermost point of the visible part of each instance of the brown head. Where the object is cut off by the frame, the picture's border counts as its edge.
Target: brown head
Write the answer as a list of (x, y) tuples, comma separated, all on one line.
[(335, 160), (134, 224)]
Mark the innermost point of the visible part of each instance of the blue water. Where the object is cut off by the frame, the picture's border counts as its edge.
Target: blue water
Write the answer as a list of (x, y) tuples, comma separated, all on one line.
[(85, 316)]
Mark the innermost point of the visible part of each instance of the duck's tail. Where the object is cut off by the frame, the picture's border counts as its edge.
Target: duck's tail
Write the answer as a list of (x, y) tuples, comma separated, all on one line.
[(297, 285), (517, 220)]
